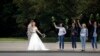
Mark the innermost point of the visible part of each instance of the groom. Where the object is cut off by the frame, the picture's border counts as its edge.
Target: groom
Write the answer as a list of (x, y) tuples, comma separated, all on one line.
[(29, 33)]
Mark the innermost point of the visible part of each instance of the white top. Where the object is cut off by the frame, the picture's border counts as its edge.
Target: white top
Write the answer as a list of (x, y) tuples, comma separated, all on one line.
[(84, 32), (62, 31)]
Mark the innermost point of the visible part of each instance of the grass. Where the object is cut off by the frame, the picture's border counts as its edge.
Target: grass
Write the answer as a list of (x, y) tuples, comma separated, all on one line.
[(18, 39), (12, 39), (47, 39)]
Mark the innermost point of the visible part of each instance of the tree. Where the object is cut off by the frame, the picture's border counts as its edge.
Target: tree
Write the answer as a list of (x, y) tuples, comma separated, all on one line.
[(7, 22), (20, 12), (98, 17), (91, 17)]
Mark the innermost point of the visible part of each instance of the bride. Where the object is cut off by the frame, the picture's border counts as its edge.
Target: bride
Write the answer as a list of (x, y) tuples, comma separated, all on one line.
[(35, 42)]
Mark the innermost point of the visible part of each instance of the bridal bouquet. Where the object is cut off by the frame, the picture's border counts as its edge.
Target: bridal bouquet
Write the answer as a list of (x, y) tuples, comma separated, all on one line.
[(43, 35)]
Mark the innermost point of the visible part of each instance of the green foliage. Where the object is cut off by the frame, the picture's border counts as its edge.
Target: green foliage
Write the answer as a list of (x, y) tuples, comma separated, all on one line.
[(20, 12), (98, 16), (82, 5), (91, 17)]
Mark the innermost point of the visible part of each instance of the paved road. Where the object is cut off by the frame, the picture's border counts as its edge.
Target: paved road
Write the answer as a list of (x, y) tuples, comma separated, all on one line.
[(20, 49), (22, 46), (50, 54)]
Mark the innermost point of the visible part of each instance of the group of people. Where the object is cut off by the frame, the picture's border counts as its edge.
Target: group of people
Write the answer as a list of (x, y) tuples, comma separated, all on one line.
[(35, 42), (85, 33)]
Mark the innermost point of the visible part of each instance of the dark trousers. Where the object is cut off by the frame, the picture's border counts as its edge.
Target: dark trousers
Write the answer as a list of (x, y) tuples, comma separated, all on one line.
[(73, 39), (94, 42), (61, 42)]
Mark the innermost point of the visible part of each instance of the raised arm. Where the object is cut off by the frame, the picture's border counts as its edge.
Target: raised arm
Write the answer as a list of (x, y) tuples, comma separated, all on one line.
[(55, 25), (90, 22), (79, 24)]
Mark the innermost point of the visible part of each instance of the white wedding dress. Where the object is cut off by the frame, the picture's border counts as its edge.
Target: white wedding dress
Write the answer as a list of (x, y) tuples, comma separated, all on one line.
[(35, 43)]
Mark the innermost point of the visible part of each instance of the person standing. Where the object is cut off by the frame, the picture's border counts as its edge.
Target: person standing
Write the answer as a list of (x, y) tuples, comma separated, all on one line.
[(61, 33), (29, 33), (83, 35), (94, 34), (35, 43), (73, 36)]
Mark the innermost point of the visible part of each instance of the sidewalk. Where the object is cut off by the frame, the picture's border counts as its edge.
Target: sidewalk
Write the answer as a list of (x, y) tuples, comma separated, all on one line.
[(22, 46)]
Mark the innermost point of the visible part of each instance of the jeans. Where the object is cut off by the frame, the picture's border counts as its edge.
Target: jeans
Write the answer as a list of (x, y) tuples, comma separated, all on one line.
[(94, 42), (83, 42), (73, 39), (61, 42)]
